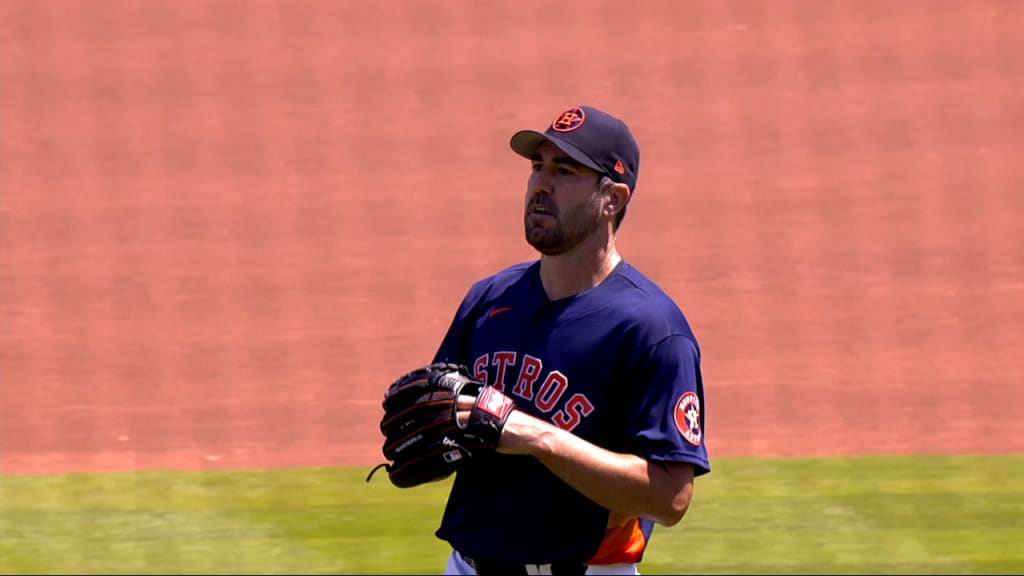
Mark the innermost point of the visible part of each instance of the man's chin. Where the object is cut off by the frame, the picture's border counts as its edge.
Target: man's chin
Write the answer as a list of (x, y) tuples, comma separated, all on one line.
[(545, 246), (536, 238)]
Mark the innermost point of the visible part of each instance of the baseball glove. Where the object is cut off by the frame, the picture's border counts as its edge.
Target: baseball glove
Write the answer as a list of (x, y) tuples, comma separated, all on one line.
[(423, 441)]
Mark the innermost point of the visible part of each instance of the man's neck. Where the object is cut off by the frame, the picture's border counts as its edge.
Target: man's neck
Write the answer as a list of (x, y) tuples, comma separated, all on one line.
[(578, 270)]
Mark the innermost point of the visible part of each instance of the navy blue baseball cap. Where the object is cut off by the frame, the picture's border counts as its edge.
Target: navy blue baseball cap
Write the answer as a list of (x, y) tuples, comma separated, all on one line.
[(592, 137)]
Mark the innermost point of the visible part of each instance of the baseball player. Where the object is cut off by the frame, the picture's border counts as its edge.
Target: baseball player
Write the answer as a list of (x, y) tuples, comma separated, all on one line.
[(604, 370)]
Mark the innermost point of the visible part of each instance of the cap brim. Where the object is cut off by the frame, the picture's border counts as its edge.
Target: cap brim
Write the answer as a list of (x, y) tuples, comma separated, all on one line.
[(526, 142)]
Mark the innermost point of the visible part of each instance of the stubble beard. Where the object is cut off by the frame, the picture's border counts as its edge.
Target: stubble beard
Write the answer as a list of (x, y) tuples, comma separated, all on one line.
[(569, 230)]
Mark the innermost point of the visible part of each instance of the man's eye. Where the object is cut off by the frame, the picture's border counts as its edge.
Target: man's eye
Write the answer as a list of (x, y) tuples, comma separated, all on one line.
[(535, 167), (565, 171)]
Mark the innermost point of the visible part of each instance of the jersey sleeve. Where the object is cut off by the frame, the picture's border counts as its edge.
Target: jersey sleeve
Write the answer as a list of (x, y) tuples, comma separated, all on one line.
[(454, 346), (668, 417)]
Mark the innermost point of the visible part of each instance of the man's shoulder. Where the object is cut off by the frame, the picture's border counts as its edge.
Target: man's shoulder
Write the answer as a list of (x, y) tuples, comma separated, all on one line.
[(506, 277), (645, 302), (643, 289)]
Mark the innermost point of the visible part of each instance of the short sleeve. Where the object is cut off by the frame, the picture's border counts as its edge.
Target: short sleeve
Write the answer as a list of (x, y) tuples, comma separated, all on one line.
[(454, 346), (667, 420)]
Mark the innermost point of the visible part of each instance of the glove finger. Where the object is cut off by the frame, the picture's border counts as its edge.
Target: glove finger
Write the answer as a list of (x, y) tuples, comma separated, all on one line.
[(408, 409), (425, 377), (415, 380), (436, 463), (411, 398), (413, 439)]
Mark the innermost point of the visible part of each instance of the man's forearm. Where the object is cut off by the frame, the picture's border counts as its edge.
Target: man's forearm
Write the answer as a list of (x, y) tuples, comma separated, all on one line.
[(623, 483)]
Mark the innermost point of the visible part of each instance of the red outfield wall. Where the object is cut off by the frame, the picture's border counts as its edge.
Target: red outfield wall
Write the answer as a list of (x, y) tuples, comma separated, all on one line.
[(225, 227)]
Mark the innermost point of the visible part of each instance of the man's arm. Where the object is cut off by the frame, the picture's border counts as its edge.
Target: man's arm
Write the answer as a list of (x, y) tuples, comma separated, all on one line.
[(623, 483)]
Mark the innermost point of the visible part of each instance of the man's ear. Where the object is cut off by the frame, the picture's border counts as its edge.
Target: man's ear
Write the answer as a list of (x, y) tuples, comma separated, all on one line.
[(618, 197)]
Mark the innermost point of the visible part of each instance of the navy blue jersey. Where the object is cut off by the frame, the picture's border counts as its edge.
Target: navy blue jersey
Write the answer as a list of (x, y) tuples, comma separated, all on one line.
[(617, 365)]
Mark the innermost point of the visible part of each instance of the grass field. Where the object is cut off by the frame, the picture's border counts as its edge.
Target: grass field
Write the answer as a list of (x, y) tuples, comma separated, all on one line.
[(852, 515)]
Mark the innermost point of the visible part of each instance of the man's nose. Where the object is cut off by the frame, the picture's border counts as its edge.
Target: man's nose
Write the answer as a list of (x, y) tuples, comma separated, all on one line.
[(540, 183)]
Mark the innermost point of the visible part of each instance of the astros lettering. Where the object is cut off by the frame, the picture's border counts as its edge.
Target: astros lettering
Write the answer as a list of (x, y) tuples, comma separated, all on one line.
[(545, 397)]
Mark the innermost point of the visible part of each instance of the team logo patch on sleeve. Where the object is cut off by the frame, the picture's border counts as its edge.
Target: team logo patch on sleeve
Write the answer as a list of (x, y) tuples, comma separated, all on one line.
[(688, 418)]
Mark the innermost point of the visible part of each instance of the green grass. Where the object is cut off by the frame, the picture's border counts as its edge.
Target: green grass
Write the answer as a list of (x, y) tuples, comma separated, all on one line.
[(852, 515)]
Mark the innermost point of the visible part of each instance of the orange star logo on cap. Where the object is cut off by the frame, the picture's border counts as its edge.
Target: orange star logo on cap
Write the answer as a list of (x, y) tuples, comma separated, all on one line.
[(569, 120)]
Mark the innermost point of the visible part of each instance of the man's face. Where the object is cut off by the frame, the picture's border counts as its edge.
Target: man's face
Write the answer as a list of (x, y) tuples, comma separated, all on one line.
[(563, 203)]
